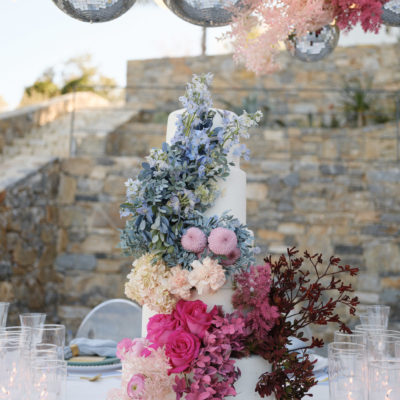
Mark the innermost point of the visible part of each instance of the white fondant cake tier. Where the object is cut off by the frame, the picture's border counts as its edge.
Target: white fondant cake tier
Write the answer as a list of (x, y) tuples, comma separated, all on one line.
[(217, 121), (232, 197), (251, 369)]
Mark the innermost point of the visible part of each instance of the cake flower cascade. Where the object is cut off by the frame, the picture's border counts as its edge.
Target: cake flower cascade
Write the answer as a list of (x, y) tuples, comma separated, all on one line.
[(193, 347), (178, 249)]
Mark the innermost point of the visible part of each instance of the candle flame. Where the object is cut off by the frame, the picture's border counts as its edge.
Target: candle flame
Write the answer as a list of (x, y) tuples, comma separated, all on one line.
[(387, 397)]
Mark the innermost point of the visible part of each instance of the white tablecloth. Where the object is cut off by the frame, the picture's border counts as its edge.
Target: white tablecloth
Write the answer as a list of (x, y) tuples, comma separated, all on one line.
[(78, 389)]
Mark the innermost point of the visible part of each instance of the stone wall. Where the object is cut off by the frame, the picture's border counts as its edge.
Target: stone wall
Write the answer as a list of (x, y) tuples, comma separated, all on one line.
[(28, 235), (290, 95), (19, 123), (91, 266)]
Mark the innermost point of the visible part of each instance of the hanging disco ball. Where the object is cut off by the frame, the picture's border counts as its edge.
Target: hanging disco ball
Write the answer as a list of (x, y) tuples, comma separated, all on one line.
[(391, 13), (94, 10), (314, 46), (208, 13)]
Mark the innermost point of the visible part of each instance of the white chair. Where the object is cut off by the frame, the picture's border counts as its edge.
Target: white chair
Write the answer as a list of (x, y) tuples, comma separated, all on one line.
[(113, 319)]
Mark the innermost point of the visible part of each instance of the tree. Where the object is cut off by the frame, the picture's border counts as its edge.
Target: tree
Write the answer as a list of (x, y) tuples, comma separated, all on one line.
[(76, 74)]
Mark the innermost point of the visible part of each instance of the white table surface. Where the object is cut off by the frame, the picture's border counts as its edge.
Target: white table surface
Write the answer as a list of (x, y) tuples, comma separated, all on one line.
[(78, 389)]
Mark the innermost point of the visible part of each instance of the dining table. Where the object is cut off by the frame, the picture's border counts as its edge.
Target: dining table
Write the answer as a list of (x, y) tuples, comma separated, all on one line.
[(83, 389)]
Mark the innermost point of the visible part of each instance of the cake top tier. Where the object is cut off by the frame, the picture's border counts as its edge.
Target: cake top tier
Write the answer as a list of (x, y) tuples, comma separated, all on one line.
[(217, 122)]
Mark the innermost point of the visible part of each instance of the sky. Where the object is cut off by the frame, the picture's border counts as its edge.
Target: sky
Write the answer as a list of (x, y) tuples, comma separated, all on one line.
[(36, 35)]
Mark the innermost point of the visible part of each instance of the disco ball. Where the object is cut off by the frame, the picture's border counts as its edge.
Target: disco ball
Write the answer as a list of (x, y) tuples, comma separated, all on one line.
[(391, 13), (314, 46), (208, 13), (94, 10)]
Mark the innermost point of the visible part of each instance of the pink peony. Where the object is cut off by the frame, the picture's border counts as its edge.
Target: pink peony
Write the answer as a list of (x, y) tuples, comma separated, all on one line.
[(178, 283), (222, 241), (135, 387), (182, 349), (194, 240), (159, 327), (193, 316), (232, 257), (207, 276)]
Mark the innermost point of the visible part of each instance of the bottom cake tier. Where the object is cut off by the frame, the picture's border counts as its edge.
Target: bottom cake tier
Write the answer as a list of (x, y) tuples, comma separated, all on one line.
[(250, 367)]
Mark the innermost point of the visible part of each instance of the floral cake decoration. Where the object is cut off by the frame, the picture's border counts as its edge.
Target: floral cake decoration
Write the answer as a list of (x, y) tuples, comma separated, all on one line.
[(190, 351)]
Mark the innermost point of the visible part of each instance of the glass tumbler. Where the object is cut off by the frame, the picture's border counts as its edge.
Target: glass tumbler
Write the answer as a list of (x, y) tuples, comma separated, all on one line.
[(347, 365), (384, 380), (3, 313), (51, 334)]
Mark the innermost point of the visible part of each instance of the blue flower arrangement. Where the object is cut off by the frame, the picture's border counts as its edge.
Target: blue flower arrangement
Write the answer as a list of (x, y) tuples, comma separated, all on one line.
[(178, 183)]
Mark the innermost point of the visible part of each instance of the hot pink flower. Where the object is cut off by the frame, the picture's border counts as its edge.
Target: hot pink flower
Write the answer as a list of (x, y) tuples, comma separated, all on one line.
[(194, 240), (193, 316), (178, 283), (231, 257), (222, 241), (182, 348), (135, 387), (159, 328)]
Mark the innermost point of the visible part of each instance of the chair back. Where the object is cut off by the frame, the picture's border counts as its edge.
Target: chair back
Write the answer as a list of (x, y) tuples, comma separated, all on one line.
[(114, 319)]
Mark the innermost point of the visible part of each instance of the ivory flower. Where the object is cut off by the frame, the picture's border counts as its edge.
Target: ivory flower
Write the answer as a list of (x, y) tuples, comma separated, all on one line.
[(207, 276), (178, 283), (148, 284)]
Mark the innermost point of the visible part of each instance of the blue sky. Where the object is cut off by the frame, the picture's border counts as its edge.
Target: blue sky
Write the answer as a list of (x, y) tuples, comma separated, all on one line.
[(35, 35)]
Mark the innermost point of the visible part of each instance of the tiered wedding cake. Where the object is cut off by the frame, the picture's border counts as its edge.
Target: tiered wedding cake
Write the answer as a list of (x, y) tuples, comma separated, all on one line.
[(232, 199), (188, 235)]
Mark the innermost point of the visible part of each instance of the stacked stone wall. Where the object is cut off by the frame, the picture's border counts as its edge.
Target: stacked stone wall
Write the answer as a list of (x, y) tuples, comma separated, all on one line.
[(288, 96), (89, 262), (28, 235)]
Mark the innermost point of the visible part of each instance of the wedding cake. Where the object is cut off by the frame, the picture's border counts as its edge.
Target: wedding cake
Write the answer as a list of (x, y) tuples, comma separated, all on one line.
[(187, 231), (232, 199)]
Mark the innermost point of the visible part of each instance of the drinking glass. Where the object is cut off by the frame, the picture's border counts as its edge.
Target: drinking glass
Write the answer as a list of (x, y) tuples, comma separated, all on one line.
[(382, 347), (51, 334), (3, 314), (356, 337), (49, 379), (45, 351), (368, 328), (16, 334), (378, 315), (32, 320), (347, 371), (14, 372), (384, 380)]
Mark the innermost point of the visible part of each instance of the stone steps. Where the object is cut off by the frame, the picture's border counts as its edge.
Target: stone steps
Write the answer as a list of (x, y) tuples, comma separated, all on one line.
[(53, 139)]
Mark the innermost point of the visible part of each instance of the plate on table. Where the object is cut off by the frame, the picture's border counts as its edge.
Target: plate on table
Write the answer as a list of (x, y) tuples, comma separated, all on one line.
[(93, 364)]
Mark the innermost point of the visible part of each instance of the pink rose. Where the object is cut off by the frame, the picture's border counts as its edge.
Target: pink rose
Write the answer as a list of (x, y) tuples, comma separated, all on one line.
[(194, 316), (159, 328), (181, 349), (135, 387)]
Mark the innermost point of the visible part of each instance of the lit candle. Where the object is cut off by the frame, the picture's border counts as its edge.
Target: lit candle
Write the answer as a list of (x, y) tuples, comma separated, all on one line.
[(388, 397)]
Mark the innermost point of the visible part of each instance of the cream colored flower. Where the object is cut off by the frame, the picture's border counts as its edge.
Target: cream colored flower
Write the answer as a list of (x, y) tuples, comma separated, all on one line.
[(178, 282), (207, 276), (148, 284)]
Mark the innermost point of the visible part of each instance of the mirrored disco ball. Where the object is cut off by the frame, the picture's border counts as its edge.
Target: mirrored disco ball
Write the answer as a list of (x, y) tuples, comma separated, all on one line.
[(391, 13), (314, 46), (94, 10), (207, 13)]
